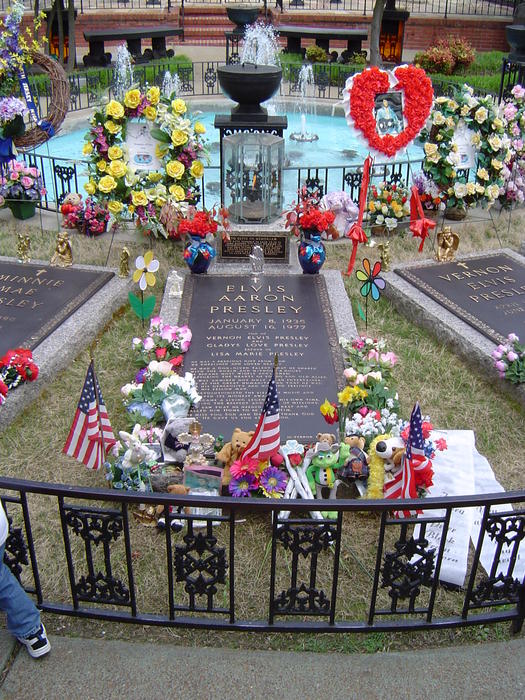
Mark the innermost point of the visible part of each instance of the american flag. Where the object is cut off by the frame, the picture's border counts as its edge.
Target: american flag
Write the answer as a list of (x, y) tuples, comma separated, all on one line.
[(404, 483), (267, 437), (91, 434)]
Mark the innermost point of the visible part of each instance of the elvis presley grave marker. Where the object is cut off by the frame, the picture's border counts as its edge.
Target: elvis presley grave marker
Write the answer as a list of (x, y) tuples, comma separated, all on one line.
[(486, 291), (238, 324), (36, 299)]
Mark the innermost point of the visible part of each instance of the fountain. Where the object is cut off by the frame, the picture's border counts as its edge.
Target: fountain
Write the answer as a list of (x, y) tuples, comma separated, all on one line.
[(306, 85), (123, 77), (260, 45), (170, 85), (242, 15)]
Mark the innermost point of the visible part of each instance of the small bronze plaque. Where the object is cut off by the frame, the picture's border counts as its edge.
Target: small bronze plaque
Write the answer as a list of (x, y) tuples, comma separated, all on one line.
[(240, 246), (36, 299), (238, 324), (486, 291)]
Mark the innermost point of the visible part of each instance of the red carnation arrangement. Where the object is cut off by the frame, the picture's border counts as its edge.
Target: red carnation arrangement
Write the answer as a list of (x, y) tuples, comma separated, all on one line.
[(306, 214), (201, 223), (16, 366)]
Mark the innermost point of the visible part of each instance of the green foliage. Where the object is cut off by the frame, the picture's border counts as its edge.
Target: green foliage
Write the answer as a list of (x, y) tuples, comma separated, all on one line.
[(144, 308), (316, 54), (447, 57)]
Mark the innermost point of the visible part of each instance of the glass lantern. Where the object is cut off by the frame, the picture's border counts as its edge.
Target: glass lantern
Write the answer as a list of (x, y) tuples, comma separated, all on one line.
[(252, 176)]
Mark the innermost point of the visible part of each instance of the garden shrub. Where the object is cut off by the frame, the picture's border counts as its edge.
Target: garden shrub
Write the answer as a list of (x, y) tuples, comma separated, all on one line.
[(447, 57), (315, 54)]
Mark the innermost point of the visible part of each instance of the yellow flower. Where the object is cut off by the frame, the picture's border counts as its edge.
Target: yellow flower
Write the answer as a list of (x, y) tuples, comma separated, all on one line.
[(327, 409), (471, 188), (146, 265), (178, 106), (475, 140), (453, 105), (479, 188), (112, 127), (115, 109), (107, 184), (153, 95), (114, 206), (161, 149), (87, 149), (480, 115), (438, 118), (154, 176), (150, 113), (178, 137), (131, 209), (102, 165), (132, 99), (430, 149), (497, 123), (117, 168), (450, 122), (199, 128), (139, 199), (344, 397), (482, 174), (465, 110), (496, 164), (178, 192), (197, 169), (372, 207), (175, 169), (114, 152), (90, 187)]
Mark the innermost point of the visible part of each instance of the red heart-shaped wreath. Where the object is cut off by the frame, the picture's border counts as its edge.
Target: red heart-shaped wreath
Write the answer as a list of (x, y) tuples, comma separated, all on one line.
[(417, 103)]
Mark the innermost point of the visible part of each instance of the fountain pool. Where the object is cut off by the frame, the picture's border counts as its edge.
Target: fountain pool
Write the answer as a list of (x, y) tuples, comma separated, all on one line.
[(337, 145)]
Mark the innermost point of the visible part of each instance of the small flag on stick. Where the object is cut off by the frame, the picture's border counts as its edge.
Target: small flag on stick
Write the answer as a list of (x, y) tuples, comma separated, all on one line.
[(266, 440), (91, 435)]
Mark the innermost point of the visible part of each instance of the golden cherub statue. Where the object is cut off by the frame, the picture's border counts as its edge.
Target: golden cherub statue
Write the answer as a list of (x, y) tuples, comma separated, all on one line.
[(63, 255), (23, 247), (384, 255), (448, 242), (123, 270)]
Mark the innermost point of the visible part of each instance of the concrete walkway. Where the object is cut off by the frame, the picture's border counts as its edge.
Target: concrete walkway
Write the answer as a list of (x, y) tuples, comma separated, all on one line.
[(86, 669)]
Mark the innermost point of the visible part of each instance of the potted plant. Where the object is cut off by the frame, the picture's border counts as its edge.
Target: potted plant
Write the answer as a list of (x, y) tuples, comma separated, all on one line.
[(200, 228), (387, 207), (21, 188)]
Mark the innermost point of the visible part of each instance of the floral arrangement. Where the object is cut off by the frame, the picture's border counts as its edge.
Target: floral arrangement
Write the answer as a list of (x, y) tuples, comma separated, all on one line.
[(509, 359), (429, 193), (16, 367), (388, 204), (16, 46), (72, 210), (202, 224), (153, 384), (513, 172), (253, 478), (96, 217), (307, 214), (21, 181), (346, 212), (143, 193), (12, 111), (442, 159), (162, 342), (128, 473)]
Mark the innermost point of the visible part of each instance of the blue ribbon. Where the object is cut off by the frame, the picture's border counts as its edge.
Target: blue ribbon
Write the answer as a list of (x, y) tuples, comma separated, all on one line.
[(6, 150), (31, 106)]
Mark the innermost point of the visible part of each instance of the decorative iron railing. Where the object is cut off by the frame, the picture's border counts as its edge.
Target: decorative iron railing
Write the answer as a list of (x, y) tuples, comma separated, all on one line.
[(307, 583)]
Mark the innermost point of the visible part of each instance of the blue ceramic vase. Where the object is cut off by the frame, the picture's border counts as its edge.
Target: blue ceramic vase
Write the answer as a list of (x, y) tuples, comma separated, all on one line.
[(311, 252), (198, 255)]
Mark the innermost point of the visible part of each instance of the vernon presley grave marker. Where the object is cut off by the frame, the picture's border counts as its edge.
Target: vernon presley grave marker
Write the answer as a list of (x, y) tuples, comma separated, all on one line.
[(238, 324), (36, 299), (486, 291)]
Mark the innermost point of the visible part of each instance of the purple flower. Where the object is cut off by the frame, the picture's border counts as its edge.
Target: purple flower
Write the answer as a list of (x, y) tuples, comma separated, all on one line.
[(139, 377), (501, 366), (10, 107), (273, 482), (241, 487), (512, 356)]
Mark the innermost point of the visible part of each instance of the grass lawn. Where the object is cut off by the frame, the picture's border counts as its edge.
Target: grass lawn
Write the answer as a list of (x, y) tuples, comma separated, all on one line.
[(453, 393)]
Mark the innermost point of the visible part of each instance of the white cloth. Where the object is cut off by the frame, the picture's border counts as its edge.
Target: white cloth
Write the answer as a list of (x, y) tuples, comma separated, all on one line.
[(4, 527), (459, 471)]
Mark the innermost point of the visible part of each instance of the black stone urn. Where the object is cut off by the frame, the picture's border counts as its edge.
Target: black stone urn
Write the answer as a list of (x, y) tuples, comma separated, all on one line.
[(242, 15), (516, 35), (249, 85)]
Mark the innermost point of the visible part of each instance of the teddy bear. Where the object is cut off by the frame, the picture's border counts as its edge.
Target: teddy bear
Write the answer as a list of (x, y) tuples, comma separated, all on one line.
[(176, 523), (325, 437), (356, 466), (232, 451), (72, 210)]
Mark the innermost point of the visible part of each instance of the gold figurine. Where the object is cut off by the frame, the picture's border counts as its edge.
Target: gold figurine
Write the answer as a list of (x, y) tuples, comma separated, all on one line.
[(63, 255), (23, 247), (123, 270), (448, 242), (384, 255)]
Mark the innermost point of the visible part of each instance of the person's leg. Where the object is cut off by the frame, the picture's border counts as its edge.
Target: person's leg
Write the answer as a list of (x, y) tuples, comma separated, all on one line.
[(23, 617)]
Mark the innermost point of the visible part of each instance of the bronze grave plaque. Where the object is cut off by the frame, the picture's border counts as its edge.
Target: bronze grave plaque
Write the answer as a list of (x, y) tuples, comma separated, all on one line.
[(239, 247), (239, 323)]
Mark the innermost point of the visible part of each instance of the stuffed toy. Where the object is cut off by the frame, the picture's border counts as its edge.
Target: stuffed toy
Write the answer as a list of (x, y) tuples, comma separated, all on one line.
[(321, 472), (325, 437), (176, 523), (356, 466), (385, 455), (72, 210), (232, 450)]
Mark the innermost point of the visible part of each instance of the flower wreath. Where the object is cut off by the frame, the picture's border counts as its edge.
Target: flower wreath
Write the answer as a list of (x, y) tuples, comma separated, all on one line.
[(359, 97), (144, 193), (480, 114)]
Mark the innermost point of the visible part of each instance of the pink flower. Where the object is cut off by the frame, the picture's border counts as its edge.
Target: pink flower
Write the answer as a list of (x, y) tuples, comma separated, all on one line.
[(496, 354), (15, 176), (388, 358), (16, 165), (33, 172), (510, 111), (26, 182), (518, 91), (513, 338), (373, 355), (155, 322), (512, 356), (148, 344), (363, 411), (501, 366)]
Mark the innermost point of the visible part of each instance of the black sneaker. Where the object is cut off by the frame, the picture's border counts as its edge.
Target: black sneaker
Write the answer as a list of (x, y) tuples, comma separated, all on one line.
[(37, 644)]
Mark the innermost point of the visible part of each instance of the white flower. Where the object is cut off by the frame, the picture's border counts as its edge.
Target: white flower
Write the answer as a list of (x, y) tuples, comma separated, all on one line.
[(390, 223), (127, 389), (146, 265), (460, 189)]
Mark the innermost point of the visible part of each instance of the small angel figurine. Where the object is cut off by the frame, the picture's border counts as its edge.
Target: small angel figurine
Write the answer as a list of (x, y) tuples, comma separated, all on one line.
[(63, 255), (448, 243), (23, 247), (123, 270)]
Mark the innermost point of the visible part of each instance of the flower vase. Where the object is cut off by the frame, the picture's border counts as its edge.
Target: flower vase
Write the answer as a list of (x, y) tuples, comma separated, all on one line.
[(311, 252), (198, 255), (14, 128), (455, 213), (22, 208)]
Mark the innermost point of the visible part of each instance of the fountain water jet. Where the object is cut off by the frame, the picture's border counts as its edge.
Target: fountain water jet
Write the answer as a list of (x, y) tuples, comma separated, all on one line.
[(123, 78), (260, 45), (170, 85), (306, 84)]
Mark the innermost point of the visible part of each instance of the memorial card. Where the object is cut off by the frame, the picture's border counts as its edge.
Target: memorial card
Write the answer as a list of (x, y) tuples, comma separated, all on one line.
[(141, 146)]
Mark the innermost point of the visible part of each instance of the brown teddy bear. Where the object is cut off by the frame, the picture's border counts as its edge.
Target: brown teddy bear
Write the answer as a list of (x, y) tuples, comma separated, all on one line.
[(356, 464), (176, 523), (232, 451), (325, 437)]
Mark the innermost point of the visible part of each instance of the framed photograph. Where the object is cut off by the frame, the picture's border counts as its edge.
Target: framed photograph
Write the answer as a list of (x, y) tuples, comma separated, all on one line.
[(463, 140), (141, 146), (388, 112)]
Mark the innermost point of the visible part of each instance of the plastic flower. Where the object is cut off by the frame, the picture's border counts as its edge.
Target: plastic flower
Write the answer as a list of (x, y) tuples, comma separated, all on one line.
[(329, 412), (372, 282), (243, 466), (146, 266), (240, 488), (272, 482)]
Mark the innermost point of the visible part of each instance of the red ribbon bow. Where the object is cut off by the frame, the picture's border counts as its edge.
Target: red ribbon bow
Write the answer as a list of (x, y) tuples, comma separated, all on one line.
[(418, 224), (356, 233)]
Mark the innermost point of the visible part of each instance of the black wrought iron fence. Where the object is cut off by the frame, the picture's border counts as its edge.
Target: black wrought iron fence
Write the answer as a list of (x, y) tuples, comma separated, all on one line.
[(91, 568)]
